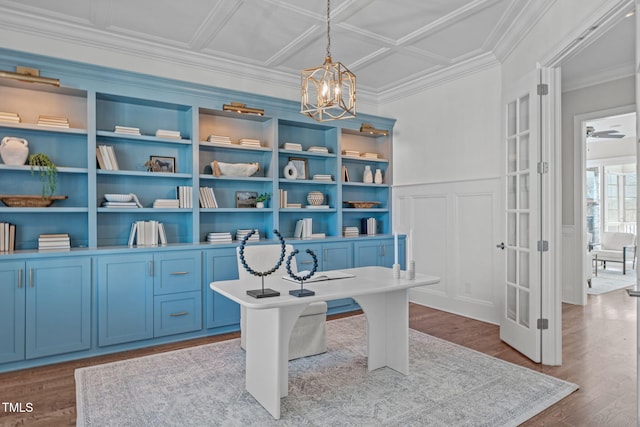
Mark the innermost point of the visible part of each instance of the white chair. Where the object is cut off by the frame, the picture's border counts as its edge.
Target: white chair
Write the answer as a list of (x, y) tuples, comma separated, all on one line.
[(616, 247), (309, 335)]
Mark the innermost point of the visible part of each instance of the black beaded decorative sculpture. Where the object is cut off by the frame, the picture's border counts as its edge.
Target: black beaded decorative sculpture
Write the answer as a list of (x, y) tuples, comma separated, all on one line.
[(302, 292), (262, 293)]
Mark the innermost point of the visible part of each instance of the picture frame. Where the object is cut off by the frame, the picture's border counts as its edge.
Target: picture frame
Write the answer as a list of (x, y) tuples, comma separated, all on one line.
[(162, 164), (302, 167), (246, 199)]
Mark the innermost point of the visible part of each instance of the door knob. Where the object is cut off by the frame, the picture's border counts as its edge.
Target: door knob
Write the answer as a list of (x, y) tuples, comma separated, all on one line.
[(501, 246)]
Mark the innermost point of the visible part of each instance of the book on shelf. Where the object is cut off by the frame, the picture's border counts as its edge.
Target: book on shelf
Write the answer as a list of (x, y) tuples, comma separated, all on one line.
[(351, 153), (147, 233), (166, 203), (294, 205), (54, 241), (293, 146), (223, 237), (8, 117), (106, 156), (207, 198), (369, 226), (169, 134), (128, 130), (108, 204), (249, 142), (7, 237), (303, 229), (369, 155), (218, 139), (240, 233), (53, 121), (350, 231), (323, 177), (183, 193), (318, 149), (345, 174)]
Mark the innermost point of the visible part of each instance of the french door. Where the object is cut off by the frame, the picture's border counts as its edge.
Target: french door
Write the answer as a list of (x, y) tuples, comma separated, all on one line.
[(523, 246)]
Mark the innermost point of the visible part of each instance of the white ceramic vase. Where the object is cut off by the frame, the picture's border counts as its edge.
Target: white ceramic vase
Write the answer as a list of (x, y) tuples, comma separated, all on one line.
[(290, 171), (378, 177), (367, 177), (14, 151), (315, 198)]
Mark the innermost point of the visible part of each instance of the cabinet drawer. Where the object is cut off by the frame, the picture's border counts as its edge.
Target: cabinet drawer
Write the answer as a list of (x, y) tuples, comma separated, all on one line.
[(177, 273), (177, 313)]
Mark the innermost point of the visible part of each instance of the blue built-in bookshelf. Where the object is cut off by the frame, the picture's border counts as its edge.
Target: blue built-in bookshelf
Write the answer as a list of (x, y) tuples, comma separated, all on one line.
[(96, 100)]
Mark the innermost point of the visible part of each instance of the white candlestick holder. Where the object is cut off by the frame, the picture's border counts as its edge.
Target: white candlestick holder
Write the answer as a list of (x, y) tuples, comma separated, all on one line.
[(396, 271), (411, 271)]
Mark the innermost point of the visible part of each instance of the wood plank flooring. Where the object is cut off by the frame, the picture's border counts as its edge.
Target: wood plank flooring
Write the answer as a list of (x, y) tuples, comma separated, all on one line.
[(599, 354)]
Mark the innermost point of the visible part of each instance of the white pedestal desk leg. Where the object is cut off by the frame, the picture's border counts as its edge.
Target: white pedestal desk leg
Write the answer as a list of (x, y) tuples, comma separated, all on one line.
[(387, 329), (267, 354)]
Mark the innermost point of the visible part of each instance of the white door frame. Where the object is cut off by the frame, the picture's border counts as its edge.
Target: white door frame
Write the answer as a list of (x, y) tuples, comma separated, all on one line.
[(579, 172)]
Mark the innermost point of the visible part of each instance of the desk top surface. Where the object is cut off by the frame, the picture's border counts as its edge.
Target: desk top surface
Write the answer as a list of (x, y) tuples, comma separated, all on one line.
[(367, 280)]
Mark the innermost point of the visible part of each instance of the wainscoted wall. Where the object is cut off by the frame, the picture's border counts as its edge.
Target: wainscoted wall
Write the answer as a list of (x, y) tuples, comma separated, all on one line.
[(456, 226)]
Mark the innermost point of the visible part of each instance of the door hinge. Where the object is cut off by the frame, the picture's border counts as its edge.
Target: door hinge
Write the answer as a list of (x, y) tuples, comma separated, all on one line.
[(543, 245), (543, 323), (543, 89), (543, 167)]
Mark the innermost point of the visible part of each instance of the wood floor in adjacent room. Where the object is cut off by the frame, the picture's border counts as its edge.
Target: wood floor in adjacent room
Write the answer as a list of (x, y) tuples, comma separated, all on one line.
[(599, 354)]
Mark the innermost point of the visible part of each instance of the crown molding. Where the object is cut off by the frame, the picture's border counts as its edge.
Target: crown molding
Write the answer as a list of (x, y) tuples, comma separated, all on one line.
[(445, 75), (604, 76)]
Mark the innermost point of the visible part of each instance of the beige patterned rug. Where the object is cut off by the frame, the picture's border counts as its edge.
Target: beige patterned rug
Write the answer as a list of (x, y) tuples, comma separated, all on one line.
[(448, 385)]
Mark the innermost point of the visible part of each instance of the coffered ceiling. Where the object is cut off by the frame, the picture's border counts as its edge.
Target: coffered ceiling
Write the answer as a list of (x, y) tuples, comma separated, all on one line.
[(393, 47)]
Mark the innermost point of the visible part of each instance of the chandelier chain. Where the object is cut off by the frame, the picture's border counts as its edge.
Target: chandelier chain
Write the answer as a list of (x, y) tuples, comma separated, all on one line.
[(328, 28)]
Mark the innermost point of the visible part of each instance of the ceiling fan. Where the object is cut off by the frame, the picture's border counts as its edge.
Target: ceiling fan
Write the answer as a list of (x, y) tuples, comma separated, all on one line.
[(612, 133)]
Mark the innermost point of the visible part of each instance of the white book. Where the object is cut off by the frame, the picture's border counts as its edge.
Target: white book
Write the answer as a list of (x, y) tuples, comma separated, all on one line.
[(298, 231), (132, 233), (307, 228), (150, 233), (162, 234), (112, 157), (212, 194), (105, 157), (140, 233), (3, 246)]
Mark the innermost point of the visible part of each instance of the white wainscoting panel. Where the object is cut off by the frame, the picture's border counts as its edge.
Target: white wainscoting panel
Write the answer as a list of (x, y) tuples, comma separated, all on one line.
[(456, 226)]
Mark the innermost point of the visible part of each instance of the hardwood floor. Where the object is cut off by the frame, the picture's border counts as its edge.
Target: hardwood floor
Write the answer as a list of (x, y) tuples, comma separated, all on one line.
[(599, 354)]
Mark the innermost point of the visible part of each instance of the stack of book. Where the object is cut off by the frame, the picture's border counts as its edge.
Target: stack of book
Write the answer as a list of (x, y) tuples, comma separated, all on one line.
[(217, 139), (7, 237), (322, 177), (207, 198), (224, 237), (317, 206), (170, 134), (147, 233), (316, 149), (294, 205), (240, 233), (127, 130), (53, 121), (282, 198), (369, 155), (183, 193), (7, 117), (304, 228), (108, 204), (350, 232), (166, 203), (294, 146), (369, 226), (248, 142), (106, 156), (350, 153), (54, 241)]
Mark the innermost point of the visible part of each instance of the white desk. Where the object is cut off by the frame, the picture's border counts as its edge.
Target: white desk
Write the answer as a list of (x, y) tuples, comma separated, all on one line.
[(383, 299)]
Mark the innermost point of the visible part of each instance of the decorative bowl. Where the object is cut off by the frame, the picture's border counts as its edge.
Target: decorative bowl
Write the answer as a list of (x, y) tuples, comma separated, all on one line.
[(118, 197), (28, 201), (362, 204), (234, 169)]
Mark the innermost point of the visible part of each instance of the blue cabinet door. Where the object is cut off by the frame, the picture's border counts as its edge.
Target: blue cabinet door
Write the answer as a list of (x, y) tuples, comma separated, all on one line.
[(368, 253), (58, 306), (177, 272), (304, 260), (220, 310), (125, 298), (337, 256), (12, 300)]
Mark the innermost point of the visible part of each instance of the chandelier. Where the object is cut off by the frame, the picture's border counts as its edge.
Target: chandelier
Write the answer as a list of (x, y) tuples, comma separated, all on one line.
[(328, 91)]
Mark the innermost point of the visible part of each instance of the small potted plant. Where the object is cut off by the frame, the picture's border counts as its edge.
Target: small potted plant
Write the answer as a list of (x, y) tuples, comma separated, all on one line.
[(47, 171), (262, 199)]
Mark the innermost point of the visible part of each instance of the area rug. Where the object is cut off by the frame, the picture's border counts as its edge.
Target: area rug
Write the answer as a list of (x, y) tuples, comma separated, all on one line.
[(448, 385), (611, 280)]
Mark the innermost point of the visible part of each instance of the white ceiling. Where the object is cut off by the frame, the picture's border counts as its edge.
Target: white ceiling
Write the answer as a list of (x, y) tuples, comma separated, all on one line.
[(392, 46)]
